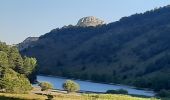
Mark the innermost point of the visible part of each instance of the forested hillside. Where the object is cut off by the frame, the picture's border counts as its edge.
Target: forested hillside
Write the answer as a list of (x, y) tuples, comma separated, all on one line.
[(134, 50), (15, 70)]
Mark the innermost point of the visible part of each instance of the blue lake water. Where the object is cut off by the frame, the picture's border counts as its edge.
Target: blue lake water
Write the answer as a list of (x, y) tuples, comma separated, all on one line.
[(91, 86)]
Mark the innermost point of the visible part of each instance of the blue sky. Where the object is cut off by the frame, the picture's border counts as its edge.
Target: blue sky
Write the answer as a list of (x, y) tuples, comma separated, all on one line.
[(23, 18)]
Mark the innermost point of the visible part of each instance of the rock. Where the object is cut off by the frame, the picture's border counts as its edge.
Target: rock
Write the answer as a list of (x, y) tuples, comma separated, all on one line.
[(89, 21), (83, 22)]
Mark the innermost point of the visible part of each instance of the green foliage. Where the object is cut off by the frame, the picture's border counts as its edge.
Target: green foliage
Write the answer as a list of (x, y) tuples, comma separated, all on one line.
[(119, 91), (13, 82), (14, 70), (29, 68), (45, 86), (15, 59), (3, 59), (164, 93), (71, 86), (29, 65)]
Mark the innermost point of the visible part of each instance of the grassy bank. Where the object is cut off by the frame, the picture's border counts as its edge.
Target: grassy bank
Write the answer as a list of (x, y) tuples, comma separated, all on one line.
[(7, 96), (60, 96)]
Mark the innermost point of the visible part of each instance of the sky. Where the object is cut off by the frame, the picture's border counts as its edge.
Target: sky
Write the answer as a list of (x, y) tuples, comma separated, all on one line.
[(20, 19)]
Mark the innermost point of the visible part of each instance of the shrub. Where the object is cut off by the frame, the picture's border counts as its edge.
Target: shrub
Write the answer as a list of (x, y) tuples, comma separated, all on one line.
[(13, 82), (50, 97), (71, 86), (119, 91), (45, 86), (164, 93)]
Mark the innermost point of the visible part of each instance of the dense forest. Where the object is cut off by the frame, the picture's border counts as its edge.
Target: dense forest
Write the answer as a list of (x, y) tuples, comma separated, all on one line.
[(134, 50), (16, 72)]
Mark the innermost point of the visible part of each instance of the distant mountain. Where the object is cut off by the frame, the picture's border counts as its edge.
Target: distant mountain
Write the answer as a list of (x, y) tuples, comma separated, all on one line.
[(134, 50), (26, 43)]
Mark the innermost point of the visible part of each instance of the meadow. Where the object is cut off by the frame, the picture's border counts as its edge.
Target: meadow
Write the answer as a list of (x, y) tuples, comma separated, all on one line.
[(71, 96)]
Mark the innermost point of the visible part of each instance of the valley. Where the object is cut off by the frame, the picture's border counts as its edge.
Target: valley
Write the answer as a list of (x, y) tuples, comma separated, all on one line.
[(134, 50), (85, 50)]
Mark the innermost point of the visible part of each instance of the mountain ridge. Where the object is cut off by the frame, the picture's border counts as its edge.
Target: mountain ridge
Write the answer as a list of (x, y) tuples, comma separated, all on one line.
[(26, 43), (134, 50)]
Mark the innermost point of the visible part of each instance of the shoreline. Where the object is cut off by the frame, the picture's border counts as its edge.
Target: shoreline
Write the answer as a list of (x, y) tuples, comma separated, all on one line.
[(133, 87), (93, 92)]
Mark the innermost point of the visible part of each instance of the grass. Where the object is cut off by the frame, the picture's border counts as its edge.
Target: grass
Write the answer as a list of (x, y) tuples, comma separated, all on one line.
[(113, 97), (61, 96), (7, 96)]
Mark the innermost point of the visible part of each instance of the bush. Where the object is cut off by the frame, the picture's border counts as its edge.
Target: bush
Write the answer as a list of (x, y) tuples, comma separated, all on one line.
[(13, 82), (50, 97), (45, 86), (71, 86), (164, 93), (119, 91)]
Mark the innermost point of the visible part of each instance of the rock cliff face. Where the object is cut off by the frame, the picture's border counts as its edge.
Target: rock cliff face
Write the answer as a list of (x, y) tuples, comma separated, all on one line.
[(27, 42), (89, 21)]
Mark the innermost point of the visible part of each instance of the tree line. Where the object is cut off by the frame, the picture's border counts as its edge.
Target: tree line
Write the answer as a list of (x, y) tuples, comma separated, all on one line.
[(16, 72)]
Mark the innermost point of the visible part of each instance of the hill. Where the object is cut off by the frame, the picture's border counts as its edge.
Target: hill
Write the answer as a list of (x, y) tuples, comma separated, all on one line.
[(27, 42), (134, 50)]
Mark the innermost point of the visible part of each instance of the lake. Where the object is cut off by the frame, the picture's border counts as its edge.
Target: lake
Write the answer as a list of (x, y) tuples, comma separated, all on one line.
[(91, 86)]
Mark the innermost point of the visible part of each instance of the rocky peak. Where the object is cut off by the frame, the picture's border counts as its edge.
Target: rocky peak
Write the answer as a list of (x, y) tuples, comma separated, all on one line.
[(89, 21)]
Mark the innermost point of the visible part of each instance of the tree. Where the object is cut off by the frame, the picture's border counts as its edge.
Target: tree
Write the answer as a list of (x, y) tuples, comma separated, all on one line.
[(3, 63), (13, 82), (15, 59), (13, 78), (71, 86), (29, 68), (3, 59), (45, 86), (29, 65)]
